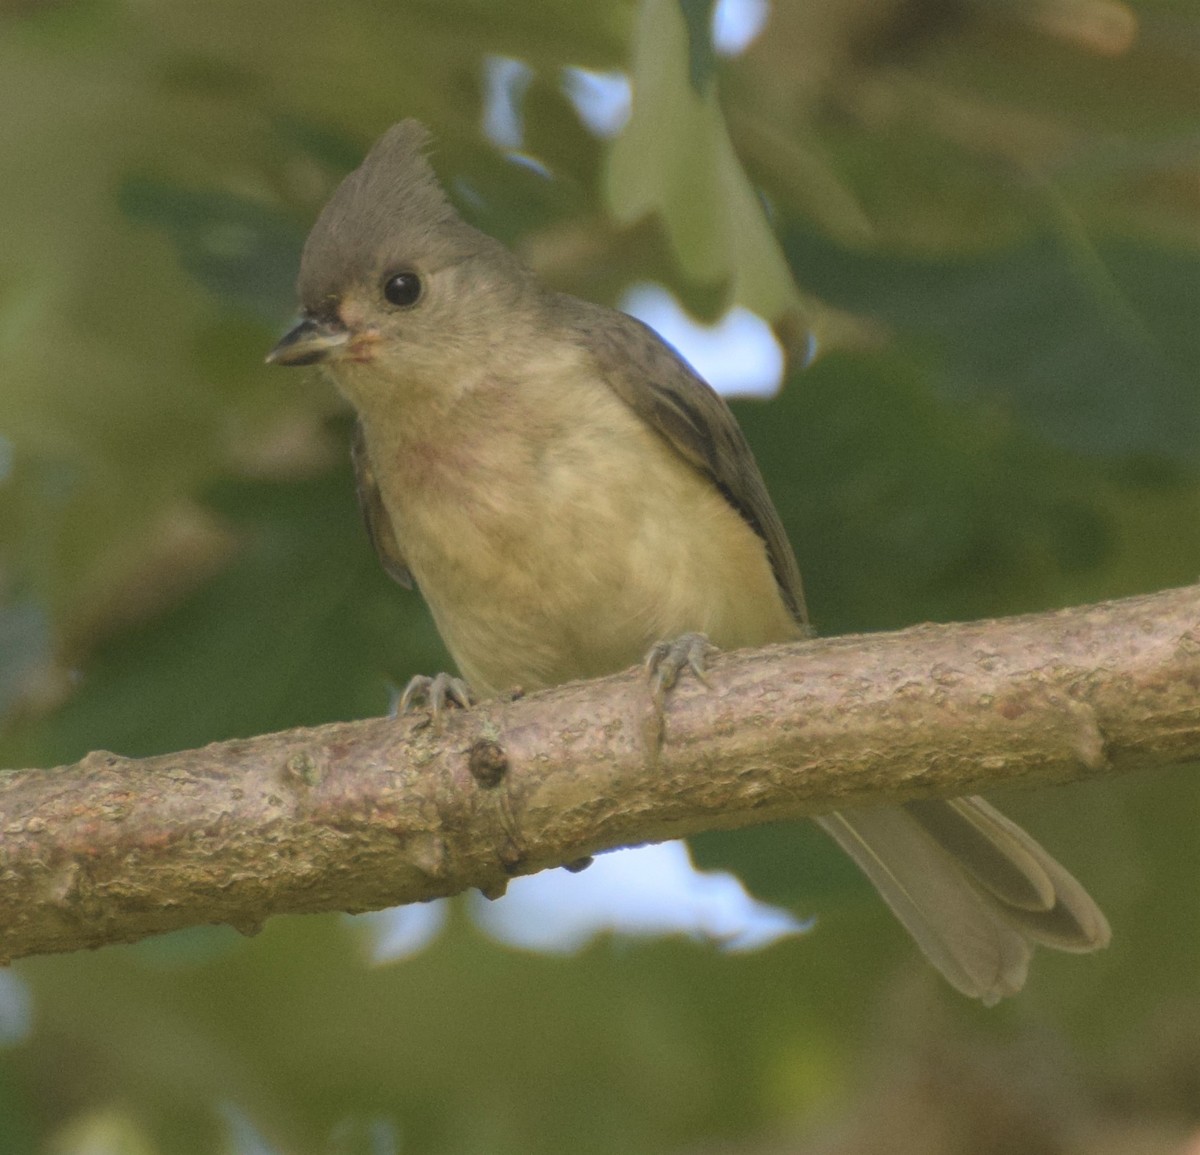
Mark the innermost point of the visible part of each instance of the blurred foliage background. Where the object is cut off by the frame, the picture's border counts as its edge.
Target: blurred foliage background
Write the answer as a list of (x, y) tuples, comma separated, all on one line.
[(992, 213)]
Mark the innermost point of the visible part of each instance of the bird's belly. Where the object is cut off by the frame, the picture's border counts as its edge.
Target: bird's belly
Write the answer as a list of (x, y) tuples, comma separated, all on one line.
[(542, 565)]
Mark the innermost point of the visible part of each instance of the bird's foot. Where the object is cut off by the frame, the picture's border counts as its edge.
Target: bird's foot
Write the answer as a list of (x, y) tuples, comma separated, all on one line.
[(437, 693), (663, 664)]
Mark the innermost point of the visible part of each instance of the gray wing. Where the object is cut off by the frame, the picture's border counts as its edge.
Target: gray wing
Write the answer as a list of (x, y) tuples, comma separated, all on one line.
[(375, 516), (654, 381)]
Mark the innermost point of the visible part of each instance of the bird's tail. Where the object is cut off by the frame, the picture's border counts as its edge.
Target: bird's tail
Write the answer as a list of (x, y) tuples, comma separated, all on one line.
[(973, 889)]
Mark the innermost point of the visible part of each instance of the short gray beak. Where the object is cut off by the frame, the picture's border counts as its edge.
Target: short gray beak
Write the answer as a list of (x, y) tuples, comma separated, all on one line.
[(308, 342)]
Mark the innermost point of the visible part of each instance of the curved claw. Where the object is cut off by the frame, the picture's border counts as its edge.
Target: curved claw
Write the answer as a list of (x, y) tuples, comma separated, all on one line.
[(438, 692), (664, 662)]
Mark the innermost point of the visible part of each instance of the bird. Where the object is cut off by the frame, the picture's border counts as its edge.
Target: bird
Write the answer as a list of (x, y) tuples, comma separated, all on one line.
[(569, 495)]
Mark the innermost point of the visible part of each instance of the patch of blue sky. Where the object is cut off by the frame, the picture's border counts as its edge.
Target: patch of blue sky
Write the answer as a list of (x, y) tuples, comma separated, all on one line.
[(401, 931), (736, 24), (651, 891), (739, 355), (16, 1009), (648, 892), (602, 100), (505, 82)]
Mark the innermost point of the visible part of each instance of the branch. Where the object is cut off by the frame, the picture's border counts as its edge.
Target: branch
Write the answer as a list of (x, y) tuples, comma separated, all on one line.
[(362, 815)]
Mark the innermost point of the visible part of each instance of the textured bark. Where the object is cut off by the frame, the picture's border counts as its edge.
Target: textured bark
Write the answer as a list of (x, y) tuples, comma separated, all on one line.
[(361, 815)]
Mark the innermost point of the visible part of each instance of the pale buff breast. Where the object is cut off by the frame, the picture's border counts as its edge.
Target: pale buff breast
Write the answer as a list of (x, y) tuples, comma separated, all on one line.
[(555, 536)]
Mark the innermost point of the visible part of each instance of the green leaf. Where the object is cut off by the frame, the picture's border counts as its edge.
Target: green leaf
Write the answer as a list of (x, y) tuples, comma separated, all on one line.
[(246, 254), (675, 159), (303, 628), (702, 59), (26, 648), (1092, 348)]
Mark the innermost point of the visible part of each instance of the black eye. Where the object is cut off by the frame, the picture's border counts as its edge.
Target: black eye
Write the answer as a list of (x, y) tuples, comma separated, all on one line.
[(402, 289)]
